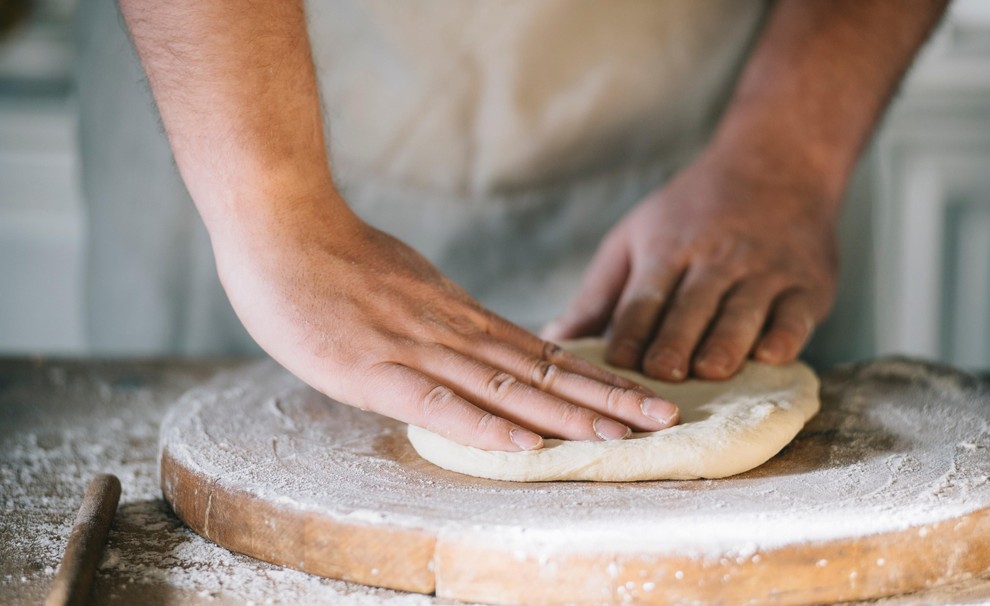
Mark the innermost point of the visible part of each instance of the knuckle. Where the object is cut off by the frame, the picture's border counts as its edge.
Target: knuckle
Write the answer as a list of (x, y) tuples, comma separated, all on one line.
[(755, 283), (742, 318), (649, 296), (544, 374), (571, 414), (740, 298), (551, 352), (465, 326), (777, 282), (485, 423), (716, 266), (616, 399), (434, 401), (498, 385), (689, 302), (613, 399)]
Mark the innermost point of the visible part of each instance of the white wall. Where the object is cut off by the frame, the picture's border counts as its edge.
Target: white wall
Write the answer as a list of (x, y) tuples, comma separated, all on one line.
[(916, 275), (41, 230), (932, 201)]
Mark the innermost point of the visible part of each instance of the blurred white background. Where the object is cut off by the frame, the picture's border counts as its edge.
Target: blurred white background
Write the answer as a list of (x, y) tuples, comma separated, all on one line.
[(915, 234)]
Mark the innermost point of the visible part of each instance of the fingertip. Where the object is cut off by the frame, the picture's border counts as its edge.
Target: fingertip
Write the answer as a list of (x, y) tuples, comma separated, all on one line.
[(623, 352), (525, 439), (773, 351), (661, 411), (665, 365), (715, 366), (608, 430)]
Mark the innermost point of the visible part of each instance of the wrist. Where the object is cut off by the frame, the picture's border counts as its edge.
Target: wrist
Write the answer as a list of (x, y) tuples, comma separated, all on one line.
[(280, 214), (257, 201), (765, 145)]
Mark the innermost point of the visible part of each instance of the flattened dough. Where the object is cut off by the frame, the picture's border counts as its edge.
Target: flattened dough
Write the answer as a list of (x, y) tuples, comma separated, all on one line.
[(727, 427)]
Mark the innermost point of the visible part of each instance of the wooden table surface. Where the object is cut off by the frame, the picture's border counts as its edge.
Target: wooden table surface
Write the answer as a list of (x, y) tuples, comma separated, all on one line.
[(62, 422)]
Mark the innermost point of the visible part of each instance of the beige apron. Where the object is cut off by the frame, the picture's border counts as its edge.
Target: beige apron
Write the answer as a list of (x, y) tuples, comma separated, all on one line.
[(500, 138)]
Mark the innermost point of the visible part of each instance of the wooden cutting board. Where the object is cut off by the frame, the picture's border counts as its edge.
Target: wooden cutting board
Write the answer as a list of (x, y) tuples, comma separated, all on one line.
[(886, 491)]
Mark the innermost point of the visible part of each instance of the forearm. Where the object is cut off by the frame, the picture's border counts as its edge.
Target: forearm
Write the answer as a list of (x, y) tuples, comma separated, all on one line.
[(817, 83), (237, 93)]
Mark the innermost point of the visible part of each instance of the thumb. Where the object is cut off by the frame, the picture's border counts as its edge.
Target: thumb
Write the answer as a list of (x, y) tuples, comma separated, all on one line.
[(589, 311)]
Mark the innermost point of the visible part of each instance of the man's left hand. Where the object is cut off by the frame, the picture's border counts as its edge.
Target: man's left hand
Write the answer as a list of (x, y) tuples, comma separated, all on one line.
[(732, 258)]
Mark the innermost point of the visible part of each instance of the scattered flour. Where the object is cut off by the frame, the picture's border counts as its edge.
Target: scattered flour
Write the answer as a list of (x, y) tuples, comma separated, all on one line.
[(62, 424), (881, 456), (885, 449)]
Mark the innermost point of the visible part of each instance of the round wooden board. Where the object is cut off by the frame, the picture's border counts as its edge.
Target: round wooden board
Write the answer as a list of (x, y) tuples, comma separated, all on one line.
[(886, 491)]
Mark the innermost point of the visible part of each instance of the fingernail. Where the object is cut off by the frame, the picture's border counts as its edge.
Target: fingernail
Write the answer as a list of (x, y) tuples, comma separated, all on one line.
[(659, 410), (667, 363), (715, 360), (607, 429), (771, 351), (525, 440), (670, 364)]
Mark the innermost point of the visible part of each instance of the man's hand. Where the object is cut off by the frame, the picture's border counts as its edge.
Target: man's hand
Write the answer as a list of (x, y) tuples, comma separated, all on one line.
[(350, 310), (365, 319), (726, 260), (739, 250)]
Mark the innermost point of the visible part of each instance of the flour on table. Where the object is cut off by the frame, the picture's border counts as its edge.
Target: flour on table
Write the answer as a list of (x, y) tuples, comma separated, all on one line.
[(727, 427)]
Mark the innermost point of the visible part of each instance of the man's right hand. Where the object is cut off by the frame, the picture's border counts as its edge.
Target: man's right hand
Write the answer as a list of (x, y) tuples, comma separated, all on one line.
[(366, 320)]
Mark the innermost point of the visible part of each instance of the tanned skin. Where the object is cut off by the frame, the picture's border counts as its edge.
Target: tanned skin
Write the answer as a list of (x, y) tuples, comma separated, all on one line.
[(735, 255)]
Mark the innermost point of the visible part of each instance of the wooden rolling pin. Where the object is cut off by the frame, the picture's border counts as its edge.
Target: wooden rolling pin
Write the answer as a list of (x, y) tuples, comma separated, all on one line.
[(86, 541)]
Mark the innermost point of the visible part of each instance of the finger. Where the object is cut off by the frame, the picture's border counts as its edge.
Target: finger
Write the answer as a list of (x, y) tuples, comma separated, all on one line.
[(685, 321), (410, 396), (791, 323), (589, 310), (736, 328), (570, 377), (503, 394), (637, 313), (504, 333), (566, 377)]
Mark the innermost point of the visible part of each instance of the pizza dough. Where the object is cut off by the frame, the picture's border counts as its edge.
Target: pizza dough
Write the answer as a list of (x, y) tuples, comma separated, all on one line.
[(727, 427)]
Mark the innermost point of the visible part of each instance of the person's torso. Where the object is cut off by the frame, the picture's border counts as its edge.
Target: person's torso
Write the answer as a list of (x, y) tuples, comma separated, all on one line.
[(491, 96)]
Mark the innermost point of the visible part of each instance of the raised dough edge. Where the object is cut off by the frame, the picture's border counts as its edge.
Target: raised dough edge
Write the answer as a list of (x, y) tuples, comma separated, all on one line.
[(736, 438)]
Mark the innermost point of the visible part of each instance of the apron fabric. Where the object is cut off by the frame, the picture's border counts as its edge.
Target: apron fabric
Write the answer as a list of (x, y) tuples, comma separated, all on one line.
[(501, 139)]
